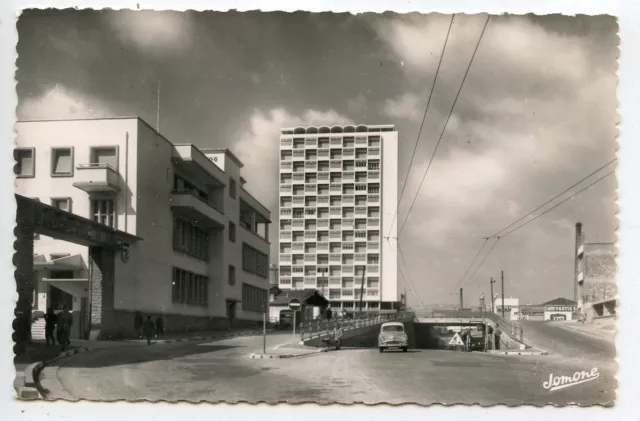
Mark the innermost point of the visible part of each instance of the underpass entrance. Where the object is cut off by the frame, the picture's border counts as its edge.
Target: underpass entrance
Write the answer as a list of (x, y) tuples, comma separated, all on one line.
[(104, 243)]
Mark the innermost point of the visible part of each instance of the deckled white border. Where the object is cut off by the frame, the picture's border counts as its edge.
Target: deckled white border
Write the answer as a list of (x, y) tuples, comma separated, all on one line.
[(628, 341)]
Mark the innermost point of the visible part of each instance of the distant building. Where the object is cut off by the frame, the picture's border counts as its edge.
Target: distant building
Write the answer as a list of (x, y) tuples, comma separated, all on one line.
[(595, 277), (511, 307), (559, 309)]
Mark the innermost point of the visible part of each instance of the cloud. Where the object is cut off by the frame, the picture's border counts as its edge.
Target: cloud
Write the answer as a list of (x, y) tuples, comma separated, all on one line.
[(536, 114), (156, 33), (60, 102), (258, 147), (406, 106)]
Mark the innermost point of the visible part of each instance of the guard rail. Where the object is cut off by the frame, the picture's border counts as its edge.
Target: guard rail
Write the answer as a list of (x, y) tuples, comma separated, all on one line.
[(311, 329)]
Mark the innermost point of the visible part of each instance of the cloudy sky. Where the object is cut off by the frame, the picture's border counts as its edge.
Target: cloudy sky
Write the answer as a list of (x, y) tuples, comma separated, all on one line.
[(536, 114)]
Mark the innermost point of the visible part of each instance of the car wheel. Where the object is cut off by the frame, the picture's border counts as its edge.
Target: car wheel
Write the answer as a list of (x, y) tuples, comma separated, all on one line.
[(404, 349), (381, 349)]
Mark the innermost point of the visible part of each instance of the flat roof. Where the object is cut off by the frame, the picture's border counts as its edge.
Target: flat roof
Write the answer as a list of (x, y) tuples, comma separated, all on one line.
[(227, 152)]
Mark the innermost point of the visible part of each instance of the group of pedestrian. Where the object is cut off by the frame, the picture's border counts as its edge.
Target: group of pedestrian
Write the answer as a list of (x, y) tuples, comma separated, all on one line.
[(147, 328), (60, 323)]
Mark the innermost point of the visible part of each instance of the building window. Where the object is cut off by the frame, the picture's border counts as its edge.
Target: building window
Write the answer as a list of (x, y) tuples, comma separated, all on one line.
[(103, 211), (232, 275), (253, 298), (189, 288), (232, 232), (190, 239), (61, 162), (232, 188), (25, 162), (105, 156), (62, 203), (254, 261)]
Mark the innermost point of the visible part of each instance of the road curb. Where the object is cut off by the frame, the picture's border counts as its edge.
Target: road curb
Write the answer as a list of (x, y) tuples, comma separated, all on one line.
[(283, 356), (518, 352), (34, 390)]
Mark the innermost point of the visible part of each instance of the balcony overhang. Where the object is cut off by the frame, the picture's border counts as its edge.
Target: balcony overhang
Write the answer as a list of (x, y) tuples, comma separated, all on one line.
[(263, 214), (53, 222), (75, 287), (196, 165), (186, 205), (73, 262), (97, 178)]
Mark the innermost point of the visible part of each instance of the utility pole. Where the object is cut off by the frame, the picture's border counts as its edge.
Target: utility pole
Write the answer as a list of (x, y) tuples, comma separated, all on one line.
[(502, 275), (158, 110), (461, 300), (493, 300), (364, 269), (264, 328)]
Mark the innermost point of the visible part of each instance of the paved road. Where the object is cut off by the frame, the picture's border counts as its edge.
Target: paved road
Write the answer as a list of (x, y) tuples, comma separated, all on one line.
[(222, 371)]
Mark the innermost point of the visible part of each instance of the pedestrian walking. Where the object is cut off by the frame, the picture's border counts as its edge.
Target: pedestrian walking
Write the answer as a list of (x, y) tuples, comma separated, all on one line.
[(50, 320), (65, 321), (160, 326), (148, 329), (137, 324), (497, 334)]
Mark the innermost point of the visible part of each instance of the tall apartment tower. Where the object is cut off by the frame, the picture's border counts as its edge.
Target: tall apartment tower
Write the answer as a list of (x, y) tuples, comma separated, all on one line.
[(338, 196)]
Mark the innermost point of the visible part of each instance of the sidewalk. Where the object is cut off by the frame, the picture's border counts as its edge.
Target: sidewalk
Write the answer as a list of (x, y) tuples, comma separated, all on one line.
[(38, 352), (603, 332)]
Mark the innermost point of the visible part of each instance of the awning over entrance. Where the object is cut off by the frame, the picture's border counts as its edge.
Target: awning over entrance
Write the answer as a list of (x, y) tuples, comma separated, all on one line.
[(73, 262), (75, 287), (53, 222)]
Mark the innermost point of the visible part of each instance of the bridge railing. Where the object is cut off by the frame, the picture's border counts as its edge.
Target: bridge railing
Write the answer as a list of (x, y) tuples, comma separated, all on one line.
[(311, 329)]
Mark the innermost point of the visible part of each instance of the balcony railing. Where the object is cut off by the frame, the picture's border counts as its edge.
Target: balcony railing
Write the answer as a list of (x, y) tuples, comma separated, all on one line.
[(335, 235), (335, 141), (298, 200), (309, 258), (297, 224), (285, 257), (335, 258), (285, 235), (335, 280), (324, 176), (347, 292), (323, 223), (373, 268), (285, 188), (374, 175), (311, 142), (373, 222), (286, 165), (286, 143), (348, 175), (347, 269), (310, 165), (373, 198), (348, 199), (347, 223), (335, 188), (309, 235), (323, 199), (373, 245), (348, 152), (374, 151), (360, 257), (323, 246), (285, 280)]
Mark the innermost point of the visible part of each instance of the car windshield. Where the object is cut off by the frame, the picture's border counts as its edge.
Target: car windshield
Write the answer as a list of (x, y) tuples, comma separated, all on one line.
[(391, 329)]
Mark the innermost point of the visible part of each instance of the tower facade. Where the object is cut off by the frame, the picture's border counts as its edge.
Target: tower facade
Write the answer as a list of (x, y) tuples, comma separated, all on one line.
[(338, 196)]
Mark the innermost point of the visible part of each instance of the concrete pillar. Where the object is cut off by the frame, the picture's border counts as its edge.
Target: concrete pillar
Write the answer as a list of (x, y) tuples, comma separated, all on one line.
[(102, 282), (24, 276)]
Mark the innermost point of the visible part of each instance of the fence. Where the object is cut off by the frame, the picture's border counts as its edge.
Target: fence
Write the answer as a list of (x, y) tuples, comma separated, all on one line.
[(310, 329)]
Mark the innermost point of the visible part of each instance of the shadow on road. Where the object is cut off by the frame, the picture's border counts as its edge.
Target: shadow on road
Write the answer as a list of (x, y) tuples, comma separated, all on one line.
[(109, 357)]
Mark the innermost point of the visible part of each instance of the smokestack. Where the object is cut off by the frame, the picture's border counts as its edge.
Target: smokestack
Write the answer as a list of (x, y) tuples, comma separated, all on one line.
[(461, 300)]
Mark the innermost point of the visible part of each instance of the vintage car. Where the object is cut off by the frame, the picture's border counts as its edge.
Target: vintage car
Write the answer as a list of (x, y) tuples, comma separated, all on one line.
[(393, 336)]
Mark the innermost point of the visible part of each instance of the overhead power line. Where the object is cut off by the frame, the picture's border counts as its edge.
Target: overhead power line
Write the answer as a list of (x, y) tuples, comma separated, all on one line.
[(498, 238), (445, 124), (497, 234), (407, 275), (558, 204), (481, 263), (424, 117), (472, 262)]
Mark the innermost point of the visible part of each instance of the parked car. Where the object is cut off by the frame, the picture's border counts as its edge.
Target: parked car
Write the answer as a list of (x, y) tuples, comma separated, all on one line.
[(393, 336)]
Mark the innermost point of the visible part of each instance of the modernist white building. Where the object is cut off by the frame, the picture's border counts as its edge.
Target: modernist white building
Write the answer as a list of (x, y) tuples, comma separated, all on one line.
[(338, 195), (203, 257)]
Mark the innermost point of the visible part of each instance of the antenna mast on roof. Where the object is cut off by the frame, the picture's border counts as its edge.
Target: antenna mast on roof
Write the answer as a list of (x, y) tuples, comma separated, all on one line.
[(158, 110)]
